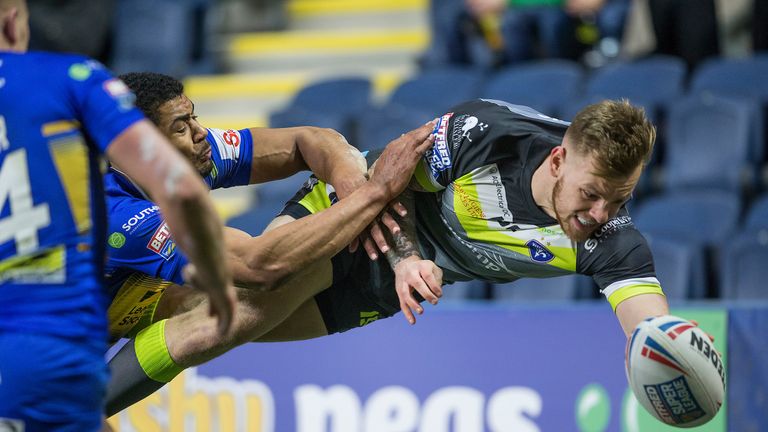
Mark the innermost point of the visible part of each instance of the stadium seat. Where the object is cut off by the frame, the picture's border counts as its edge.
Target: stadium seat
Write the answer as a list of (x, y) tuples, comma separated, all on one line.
[(156, 35), (436, 91), (330, 103), (757, 214), (742, 79), (376, 127), (704, 217), (743, 266), (680, 267), (344, 96), (555, 289), (732, 77), (708, 144), (299, 117), (652, 83), (542, 85)]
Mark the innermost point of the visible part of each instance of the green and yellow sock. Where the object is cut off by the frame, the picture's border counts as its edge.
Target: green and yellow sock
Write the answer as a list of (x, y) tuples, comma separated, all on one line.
[(153, 355)]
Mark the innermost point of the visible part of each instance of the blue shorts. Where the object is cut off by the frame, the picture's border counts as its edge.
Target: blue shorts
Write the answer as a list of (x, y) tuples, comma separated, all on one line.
[(50, 383)]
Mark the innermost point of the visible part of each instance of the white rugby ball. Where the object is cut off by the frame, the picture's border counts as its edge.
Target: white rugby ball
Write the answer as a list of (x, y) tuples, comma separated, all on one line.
[(675, 372)]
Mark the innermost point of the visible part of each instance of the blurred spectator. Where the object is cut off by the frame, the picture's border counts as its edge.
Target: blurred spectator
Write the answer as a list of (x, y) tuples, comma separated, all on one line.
[(164, 36), (495, 32), (683, 28), (74, 26), (759, 27)]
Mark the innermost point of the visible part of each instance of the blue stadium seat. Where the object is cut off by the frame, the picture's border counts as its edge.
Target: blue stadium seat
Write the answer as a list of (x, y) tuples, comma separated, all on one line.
[(652, 83), (299, 117), (155, 35), (708, 144), (376, 127), (436, 91), (732, 77), (344, 96), (742, 79), (329, 103), (757, 215), (743, 267), (704, 217), (680, 267), (542, 85), (555, 289)]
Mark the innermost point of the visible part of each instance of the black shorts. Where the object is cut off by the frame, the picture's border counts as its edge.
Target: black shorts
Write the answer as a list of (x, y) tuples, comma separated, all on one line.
[(362, 291)]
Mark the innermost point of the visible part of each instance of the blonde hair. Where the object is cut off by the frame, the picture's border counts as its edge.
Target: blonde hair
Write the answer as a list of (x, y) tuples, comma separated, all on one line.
[(617, 134)]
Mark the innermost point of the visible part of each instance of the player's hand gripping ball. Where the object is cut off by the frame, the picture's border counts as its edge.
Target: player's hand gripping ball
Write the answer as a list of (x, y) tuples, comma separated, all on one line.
[(675, 371)]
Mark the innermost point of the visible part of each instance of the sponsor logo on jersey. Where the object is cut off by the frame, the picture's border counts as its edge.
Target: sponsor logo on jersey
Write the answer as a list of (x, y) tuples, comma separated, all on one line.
[(116, 240), (673, 401), (501, 193), (79, 71), (120, 92), (606, 230), (613, 225), (227, 143), (457, 132), (232, 138), (136, 219), (161, 242), (539, 252), (439, 156)]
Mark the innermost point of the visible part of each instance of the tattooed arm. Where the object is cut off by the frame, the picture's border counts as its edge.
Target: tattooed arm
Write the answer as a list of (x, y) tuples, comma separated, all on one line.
[(412, 273)]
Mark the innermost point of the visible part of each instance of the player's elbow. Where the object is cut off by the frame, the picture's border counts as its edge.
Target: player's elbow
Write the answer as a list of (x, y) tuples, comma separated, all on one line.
[(264, 272)]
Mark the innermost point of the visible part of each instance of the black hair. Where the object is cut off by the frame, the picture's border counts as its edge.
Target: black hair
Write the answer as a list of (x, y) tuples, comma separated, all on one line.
[(152, 90)]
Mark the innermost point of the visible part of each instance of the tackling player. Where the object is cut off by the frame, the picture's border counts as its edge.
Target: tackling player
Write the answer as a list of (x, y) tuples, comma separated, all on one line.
[(504, 193), (143, 267), (58, 114)]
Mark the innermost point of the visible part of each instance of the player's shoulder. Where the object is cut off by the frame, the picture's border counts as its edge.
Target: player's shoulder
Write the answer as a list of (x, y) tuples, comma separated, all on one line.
[(74, 67)]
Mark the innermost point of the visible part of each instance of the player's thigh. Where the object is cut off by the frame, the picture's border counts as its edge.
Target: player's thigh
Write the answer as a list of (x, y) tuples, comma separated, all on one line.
[(305, 323), (177, 299), (51, 384)]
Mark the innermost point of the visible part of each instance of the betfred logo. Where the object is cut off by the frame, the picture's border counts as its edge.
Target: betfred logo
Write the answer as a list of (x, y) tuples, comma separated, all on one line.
[(232, 138), (161, 242)]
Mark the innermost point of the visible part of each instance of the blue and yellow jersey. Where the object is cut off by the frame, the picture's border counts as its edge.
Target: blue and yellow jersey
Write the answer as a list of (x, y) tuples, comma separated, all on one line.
[(142, 255), (58, 113)]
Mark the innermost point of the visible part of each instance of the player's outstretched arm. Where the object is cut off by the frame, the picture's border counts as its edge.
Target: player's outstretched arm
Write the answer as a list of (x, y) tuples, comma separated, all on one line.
[(635, 309), (325, 152), (146, 156), (278, 253)]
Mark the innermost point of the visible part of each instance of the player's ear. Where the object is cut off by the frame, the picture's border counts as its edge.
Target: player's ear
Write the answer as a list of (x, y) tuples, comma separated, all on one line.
[(556, 160), (10, 26)]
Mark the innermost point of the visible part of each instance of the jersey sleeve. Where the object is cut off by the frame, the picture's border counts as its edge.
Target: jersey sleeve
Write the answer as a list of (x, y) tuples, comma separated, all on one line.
[(232, 155), (139, 240), (619, 260), (105, 103)]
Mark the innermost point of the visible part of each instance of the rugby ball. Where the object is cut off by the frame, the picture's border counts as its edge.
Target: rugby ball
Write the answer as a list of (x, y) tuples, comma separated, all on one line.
[(675, 372)]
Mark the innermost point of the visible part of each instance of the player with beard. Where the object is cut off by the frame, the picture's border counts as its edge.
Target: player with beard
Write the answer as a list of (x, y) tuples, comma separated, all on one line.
[(504, 193)]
